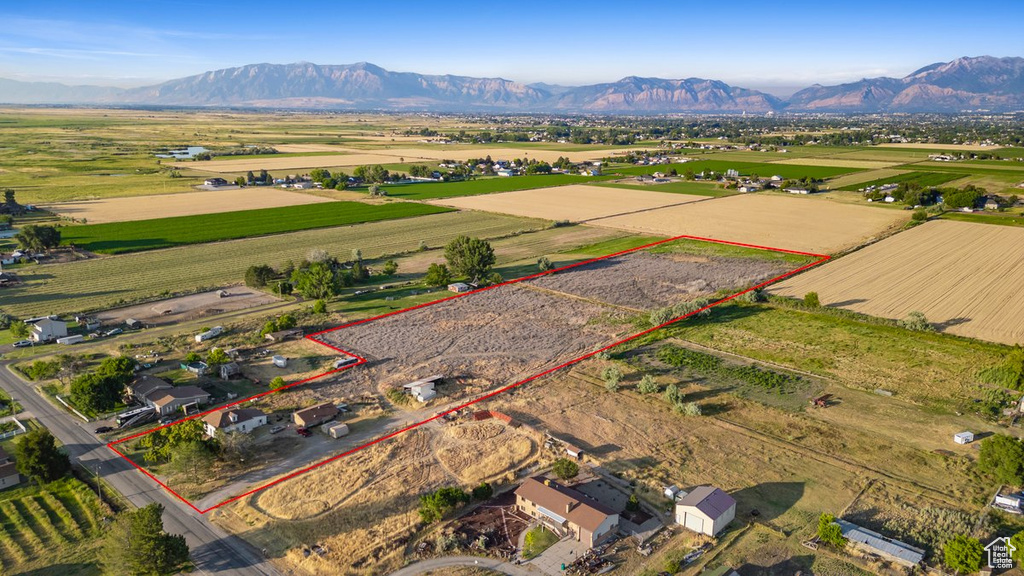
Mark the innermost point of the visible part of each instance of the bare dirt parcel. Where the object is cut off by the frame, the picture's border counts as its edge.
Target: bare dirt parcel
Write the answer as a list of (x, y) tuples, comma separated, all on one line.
[(965, 277)]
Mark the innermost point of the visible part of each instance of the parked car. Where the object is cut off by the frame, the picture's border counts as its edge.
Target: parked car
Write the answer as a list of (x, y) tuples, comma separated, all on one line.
[(304, 432), (276, 429), (114, 332), (22, 343), (168, 419), (104, 429)]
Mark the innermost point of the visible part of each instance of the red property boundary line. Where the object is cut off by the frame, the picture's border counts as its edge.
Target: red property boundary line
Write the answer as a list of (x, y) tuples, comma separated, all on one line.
[(360, 360)]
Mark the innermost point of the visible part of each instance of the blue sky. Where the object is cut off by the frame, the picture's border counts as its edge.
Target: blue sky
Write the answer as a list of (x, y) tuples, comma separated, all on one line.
[(755, 44)]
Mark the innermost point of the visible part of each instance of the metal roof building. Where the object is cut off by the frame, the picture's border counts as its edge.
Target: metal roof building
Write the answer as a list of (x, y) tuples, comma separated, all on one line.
[(874, 542)]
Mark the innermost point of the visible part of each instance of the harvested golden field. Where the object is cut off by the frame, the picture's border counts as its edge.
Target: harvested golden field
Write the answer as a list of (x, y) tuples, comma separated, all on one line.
[(966, 147), (184, 204), (964, 277), (577, 203), (806, 224), (836, 162), (298, 163)]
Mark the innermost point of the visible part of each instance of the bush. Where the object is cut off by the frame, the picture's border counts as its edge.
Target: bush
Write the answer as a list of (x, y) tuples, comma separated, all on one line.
[(437, 275), (544, 264), (829, 532), (755, 296), (647, 385), (916, 321), (963, 554), (612, 376), (811, 300), (439, 503), (319, 307), (276, 383), (919, 216), (1003, 457), (633, 504), (688, 408), (565, 468), (483, 491)]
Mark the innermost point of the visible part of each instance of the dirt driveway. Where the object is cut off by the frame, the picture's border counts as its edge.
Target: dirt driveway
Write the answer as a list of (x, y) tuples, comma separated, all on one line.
[(188, 307)]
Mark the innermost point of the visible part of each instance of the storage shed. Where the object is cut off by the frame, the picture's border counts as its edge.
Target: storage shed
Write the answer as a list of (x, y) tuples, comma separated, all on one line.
[(336, 429), (706, 510), (963, 437)]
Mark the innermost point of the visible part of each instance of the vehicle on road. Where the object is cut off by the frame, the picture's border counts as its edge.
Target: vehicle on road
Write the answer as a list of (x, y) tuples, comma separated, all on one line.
[(22, 343)]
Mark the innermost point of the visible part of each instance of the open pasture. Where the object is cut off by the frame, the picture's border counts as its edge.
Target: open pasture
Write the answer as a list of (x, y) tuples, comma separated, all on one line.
[(925, 179), (576, 203), (721, 165), (925, 146), (122, 237), (838, 163), (101, 283), (184, 204), (964, 277), (857, 180), (807, 224), (431, 190)]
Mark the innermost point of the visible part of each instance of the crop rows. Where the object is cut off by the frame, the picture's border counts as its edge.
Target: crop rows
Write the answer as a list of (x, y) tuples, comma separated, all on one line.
[(923, 178), (105, 282), (744, 168)]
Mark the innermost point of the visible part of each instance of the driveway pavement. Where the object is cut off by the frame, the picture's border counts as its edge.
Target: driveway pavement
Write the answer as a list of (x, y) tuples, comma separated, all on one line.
[(565, 551)]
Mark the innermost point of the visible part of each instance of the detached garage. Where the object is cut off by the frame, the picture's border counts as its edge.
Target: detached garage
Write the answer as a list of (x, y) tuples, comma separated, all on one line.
[(705, 510)]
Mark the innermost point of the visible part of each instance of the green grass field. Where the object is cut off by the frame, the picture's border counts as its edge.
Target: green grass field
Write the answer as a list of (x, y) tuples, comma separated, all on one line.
[(122, 237), (101, 283), (720, 165), (923, 178), (53, 530), (431, 190), (1014, 218)]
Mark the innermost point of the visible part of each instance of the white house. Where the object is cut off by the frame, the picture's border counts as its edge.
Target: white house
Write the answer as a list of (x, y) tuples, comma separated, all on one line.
[(423, 389), (705, 510), (963, 437), (242, 420), (47, 330), (8, 471)]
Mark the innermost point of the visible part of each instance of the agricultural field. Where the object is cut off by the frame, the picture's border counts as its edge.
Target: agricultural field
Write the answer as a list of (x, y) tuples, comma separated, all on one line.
[(720, 165), (183, 204), (855, 180), (838, 163), (101, 283), (964, 277), (135, 236), (778, 221), (50, 531), (707, 189), (956, 147), (577, 203), (926, 179), (431, 190)]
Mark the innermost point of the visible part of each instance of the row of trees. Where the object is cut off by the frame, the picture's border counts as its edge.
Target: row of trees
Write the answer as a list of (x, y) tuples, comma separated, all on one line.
[(38, 238)]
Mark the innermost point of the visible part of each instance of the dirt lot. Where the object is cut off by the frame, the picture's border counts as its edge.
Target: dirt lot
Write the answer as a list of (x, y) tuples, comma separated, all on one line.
[(964, 277), (184, 204), (576, 203), (808, 224), (188, 307)]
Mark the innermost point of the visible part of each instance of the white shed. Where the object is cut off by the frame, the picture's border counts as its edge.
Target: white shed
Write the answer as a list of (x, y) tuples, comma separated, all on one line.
[(335, 429), (706, 510), (963, 437)]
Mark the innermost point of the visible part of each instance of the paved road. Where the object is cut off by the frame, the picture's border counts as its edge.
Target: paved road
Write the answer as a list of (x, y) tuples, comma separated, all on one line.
[(213, 550), (434, 563)]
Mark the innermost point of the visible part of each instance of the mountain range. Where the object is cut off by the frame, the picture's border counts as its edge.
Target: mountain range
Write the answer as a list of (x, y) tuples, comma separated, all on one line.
[(970, 83)]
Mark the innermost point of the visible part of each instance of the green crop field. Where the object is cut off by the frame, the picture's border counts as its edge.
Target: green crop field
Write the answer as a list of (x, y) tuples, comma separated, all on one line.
[(744, 168), (102, 283), (122, 237), (53, 530), (999, 218), (922, 178), (431, 190)]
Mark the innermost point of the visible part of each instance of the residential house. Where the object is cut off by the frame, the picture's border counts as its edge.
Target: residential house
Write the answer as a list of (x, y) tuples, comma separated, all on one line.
[(242, 420), (874, 543), (567, 512), (8, 471), (506, 172), (215, 182), (168, 400), (315, 415), (230, 370), (143, 386), (48, 330), (705, 510)]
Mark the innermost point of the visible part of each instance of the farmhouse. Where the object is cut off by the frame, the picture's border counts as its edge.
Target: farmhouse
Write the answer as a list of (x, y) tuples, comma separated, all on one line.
[(874, 543), (705, 510), (315, 415), (422, 389), (566, 511), (168, 400), (242, 420), (143, 386), (8, 471), (47, 330)]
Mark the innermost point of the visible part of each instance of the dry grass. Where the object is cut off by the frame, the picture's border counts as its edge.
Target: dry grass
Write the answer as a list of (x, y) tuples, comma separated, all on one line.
[(861, 177), (185, 204), (967, 147), (297, 163), (836, 162), (965, 277), (769, 220), (577, 203)]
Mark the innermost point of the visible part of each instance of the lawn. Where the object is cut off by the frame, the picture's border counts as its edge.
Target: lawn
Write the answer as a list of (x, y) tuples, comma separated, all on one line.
[(925, 179), (537, 540), (50, 530), (135, 236), (790, 171), (433, 190)]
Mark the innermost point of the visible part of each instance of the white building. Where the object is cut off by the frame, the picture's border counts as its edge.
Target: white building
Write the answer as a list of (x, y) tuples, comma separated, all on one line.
[(422, 390), (963, 437), (242, 420), (47, 330), (705, 510)]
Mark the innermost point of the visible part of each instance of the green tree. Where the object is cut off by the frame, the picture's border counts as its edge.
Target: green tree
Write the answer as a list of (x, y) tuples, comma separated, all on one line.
[(390, 268), (318, 282), (544, 264), (38, 457), (217, 356), (829, 532), (1017, 540), (320, 307), (1003, 457), (483, 491), (258, 276), (136, 544), (193, 356), (963, 554), (19, 329), (672, 394), (276, 383), (811, 300), (647, 385), (633, 504), (96, 391), (469, 257), (191, 458), (42, 369), (565, 468), (439, 503), (286, 322), (270, 326), (437, 275), (240, 181), (38, 237)]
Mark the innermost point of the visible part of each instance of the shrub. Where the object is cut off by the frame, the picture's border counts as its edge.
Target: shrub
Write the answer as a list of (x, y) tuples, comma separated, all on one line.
[(916, 321), (544, 264), (829, 532), (565, 468), (647, 385), (811, 300), (611, 376), (483, 491)]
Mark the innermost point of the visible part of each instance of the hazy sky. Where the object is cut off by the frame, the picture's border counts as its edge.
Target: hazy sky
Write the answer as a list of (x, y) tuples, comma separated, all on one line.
[(754, 44)]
